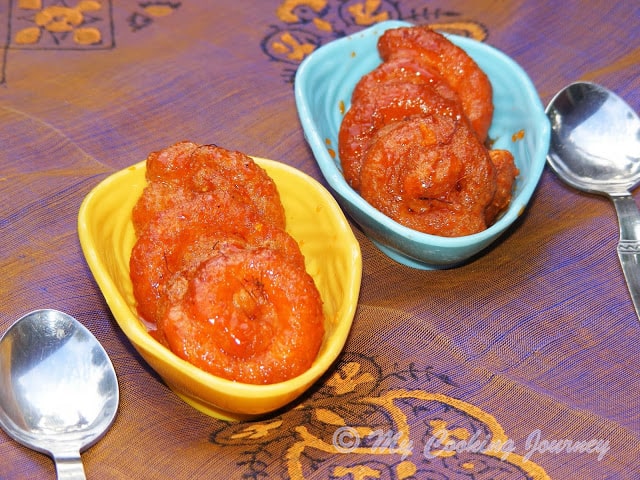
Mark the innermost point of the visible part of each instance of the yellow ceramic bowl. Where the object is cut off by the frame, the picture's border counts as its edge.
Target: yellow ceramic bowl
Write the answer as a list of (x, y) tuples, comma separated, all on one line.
[(314, 219)]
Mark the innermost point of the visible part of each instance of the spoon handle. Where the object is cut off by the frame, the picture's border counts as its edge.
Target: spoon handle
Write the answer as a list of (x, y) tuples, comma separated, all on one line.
[(629, 244), (69, 467)]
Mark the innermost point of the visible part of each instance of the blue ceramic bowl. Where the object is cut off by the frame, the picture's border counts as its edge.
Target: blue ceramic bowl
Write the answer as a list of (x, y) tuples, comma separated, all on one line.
[(323, 86)]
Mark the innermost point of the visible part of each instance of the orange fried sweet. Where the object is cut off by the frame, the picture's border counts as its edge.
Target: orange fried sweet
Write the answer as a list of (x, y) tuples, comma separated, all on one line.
[(404, 70), (413, 140), (205, 168), (427, 47), (249, 314), (376, 104), (214, 269), (431, 174), (506, 173), (206, 243), (161, 254), (168, 216)]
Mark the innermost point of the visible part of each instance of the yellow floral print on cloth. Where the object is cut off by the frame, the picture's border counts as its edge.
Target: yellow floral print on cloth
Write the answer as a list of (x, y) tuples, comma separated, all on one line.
[(355, 427), (304, 25), (52, 24), (76, 25), (81, 25)]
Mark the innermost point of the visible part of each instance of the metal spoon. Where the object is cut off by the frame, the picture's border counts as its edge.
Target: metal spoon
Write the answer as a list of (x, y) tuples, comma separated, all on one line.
[(59, 389), (595, 147)]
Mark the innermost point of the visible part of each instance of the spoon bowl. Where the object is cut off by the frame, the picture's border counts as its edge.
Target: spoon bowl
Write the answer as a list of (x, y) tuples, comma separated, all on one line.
[(60, 391), (595, 147)]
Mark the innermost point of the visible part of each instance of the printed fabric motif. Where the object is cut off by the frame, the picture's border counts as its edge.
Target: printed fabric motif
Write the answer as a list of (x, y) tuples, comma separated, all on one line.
[(81, 25), (357, 427), (305, 25), (42, 24)]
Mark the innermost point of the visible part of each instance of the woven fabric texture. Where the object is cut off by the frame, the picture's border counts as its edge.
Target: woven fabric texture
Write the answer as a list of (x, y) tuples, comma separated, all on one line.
[(534, 344)]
